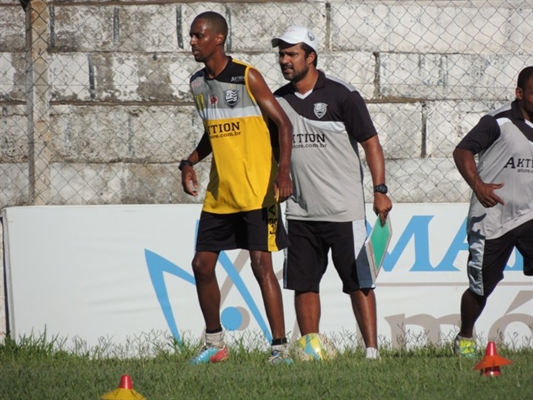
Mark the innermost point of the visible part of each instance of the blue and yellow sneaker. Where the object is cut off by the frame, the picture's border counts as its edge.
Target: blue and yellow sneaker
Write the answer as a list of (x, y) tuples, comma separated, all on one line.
[(465, 347), (210, 354)]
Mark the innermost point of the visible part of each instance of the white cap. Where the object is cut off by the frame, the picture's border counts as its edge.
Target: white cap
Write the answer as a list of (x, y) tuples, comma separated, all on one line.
[(297, 34)]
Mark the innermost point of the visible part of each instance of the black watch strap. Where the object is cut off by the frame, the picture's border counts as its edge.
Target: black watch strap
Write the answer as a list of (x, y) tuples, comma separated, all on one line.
[(183, 163), (381, 189)]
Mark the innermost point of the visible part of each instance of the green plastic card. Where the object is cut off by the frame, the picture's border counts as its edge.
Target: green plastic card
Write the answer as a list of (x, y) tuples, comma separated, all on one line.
[(377, 244)]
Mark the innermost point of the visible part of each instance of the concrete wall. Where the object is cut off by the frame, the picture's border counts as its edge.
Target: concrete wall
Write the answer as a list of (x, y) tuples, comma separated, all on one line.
[(121, 115)]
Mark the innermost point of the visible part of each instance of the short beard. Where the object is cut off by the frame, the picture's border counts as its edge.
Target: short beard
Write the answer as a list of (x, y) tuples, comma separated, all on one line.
[(297, 77)]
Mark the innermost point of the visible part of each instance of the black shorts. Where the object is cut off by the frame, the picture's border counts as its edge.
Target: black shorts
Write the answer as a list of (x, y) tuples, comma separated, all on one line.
[(261, 230), (307, 256), (488, 258)]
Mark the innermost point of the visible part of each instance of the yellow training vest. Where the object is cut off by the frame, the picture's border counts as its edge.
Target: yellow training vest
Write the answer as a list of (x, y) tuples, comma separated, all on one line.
[(243, 167)]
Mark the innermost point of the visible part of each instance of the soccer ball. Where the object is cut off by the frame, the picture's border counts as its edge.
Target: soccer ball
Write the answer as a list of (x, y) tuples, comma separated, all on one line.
[(314, 346)]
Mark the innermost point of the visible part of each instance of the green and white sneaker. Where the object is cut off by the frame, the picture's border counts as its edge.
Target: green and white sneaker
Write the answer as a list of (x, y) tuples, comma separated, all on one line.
[(465, 347)]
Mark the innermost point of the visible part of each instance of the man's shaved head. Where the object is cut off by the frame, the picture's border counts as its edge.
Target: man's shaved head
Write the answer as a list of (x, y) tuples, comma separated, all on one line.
[(216, 22)]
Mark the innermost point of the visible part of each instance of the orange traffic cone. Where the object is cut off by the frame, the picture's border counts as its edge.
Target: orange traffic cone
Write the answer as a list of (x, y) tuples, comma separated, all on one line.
[(491, 363), (124, 392)]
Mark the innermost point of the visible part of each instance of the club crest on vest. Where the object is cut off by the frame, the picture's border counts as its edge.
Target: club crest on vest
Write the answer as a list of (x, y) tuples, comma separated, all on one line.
[(320, 109), (231, 97)]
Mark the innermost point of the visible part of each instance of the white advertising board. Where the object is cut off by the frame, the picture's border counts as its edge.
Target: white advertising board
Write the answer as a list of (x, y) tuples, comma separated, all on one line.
[(120, 272)]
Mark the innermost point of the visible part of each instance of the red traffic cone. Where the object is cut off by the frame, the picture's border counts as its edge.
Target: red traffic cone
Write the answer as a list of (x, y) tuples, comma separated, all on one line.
[(491, 363), (125, 382), (124, 392)]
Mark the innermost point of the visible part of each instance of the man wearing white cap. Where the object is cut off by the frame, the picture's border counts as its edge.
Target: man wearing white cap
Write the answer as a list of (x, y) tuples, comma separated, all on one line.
[(327, 208)]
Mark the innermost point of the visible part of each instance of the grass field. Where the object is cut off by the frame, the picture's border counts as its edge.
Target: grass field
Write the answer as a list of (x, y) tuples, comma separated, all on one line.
[(35, 369)]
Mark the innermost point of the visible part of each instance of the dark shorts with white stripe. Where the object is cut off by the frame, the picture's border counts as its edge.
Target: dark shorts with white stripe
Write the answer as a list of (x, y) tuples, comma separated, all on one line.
[(307, 256), (488, 258)]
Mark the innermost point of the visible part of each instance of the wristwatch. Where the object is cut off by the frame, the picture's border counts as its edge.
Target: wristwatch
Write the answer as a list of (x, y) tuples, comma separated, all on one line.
[(381, 189), (183, 163)]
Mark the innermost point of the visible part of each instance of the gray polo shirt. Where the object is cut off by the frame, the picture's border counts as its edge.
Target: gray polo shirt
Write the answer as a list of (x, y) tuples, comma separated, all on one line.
[(325, 166)]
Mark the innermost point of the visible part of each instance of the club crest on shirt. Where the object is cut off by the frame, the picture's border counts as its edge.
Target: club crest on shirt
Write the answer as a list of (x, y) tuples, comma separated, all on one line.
[(320, 109), (231, 97)]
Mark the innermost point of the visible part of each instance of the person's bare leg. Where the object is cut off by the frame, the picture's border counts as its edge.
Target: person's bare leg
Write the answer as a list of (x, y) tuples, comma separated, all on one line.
[(472, 306), (203, 266), (364, 308), (270, 291), (307, 306)]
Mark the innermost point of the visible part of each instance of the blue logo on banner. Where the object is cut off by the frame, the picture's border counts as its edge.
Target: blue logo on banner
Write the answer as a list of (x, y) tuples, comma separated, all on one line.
[(231, 317), (416, 231)]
